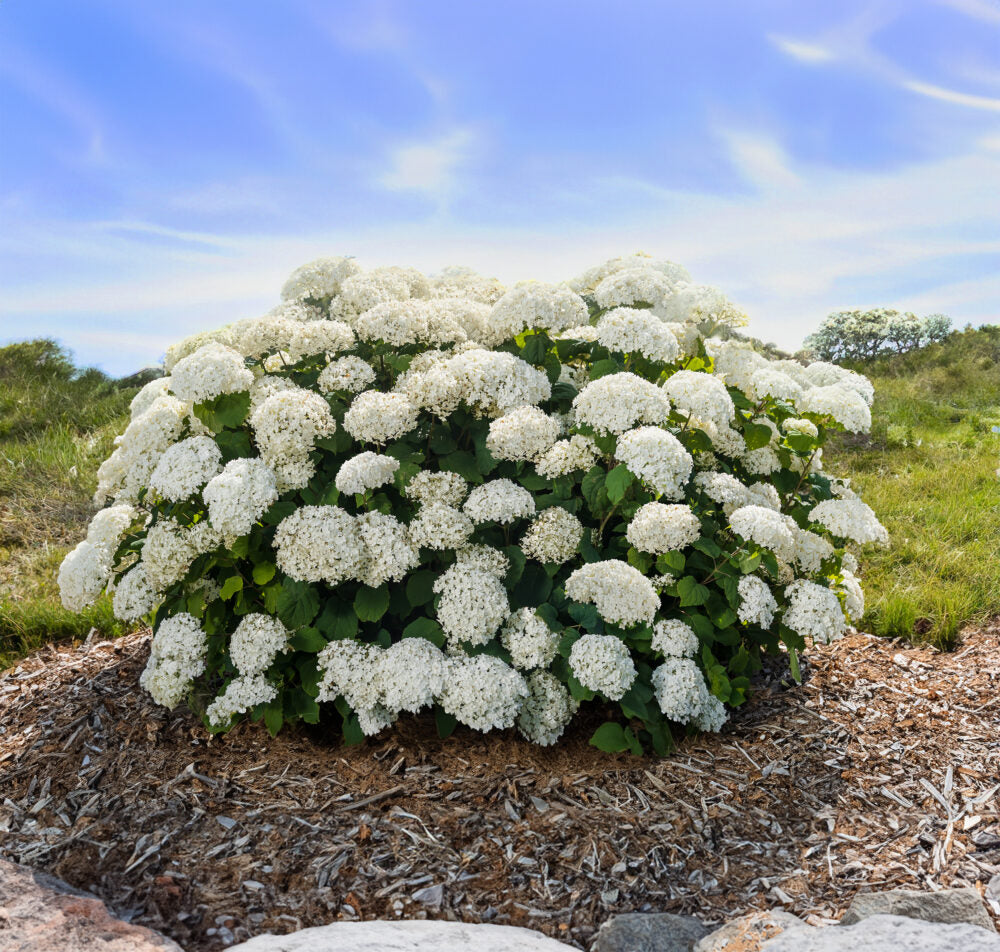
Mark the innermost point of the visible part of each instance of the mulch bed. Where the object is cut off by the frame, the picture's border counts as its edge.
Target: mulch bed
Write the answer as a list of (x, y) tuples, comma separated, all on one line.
[(882, 770)]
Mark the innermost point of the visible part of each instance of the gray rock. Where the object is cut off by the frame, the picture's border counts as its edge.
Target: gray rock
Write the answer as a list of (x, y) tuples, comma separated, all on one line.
[(886, 934), (419, 935), (946, 905), (649, 932), (39, 913), (749, 932)]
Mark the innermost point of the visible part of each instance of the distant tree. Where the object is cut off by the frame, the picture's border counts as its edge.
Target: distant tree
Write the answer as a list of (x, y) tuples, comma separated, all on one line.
[(857, 334)]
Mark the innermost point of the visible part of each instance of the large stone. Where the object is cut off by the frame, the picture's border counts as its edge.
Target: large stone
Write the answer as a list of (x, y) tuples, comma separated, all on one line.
[(946, 905), (418, 935), (649, 932), (886, 934), (749, 932), (39, 913)]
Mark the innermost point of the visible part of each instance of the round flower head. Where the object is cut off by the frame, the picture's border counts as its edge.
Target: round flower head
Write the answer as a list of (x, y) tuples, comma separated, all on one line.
[(443, 487), (823, 374), (621, 593), (769, 529), (286, 427), (547, 709), (350, 670), (438, 526), (376, 417), (592, 277), (566, 456), (679, 688), (499, 500), (530, 641), (320, 543), (845, 406), (724, 489), (493, 382), (390, 552), (553, 537), (483, 557), (319, 279), (627, 330), (365, 471), (411, 674), (757, 604), (349, 374), (656, 457), (768, 382), (854, 596), (794, 425), (256, 642), (674, 639), (210, 371), (148, 395), (658, 528), (239, 495), (240, 696), (811, 550), (617, 402), (176, 658), (473, 604), (482, 692), (185, 467), (522, 434), (814, 611), (535, 305), (170, 548), (602, 663), (850, 519), (307, 339), (83, 575), (701, 397), (636, 285)]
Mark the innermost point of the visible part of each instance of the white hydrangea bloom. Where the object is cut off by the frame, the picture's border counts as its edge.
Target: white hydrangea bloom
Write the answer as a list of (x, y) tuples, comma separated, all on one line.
[(764, 494), (310, 338), (350, 374), (628, 330), (724, 489), (811, 550), (761, 462), (602, 663), (823, 374), (376, 417), (768, 382), (713, 714), (850, 519), (286, 427), (532, 304), (735, 362), (482, 692), (845, 406), (621, 593), (180, 350), (239, 495), (493, 382), (460, 282), (633, 286), (134, 596), (700, 303), (373, 720), (483, 557), (499, 500), (524, 433), (267, 386), (757, 604), (553, 537), (241, 694), (411, 674), (148, 395), (701, 397), (320, 543), (617, 402), (547, 709), (814, 611), (854, 596), (365, 471), (186, 467), (256, 642), (680, 690), (656, 457), (442, 487), (176, 658), (472, 605), (170, 548), (108, 526), (592, 277), (409, 322), (351, 670), (658, 528), (530, 641), (83, 575), (389, 551), (319, 279), (565, 456), (795, 425), (674, 639), (210, 371), (439, 526), (362, 292), (769, 529), (795, 370)]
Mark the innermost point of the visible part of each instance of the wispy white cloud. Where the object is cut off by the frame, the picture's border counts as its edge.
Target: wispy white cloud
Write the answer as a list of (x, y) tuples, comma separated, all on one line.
[(760, 160), (432, 167), (986, 11), (803, 52), (988, 103)]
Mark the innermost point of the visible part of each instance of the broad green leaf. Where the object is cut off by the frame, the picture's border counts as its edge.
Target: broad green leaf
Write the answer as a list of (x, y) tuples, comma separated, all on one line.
[(618, 482), (445, 722), (610, 737), (426, 628), (307, 639), (274, 716), (231, 586), (370, 604), (298, 603), (263, 572), (463, 463), (672, 562), (420, 588), (691, 591), (601, 368), (353, 734), (756, 435)]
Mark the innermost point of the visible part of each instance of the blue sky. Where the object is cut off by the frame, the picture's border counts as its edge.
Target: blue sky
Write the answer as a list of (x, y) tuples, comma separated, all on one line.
[(164, 166)]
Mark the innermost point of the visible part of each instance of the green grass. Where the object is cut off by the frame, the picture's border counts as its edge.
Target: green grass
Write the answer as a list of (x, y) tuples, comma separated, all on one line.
[(57, 424), (930, 473)]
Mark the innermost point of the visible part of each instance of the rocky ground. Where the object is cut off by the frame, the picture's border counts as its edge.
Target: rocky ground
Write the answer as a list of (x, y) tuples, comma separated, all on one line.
[(880, 771)]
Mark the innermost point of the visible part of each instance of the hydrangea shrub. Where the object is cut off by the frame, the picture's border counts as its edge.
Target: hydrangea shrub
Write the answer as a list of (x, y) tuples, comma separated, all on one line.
[(396, 492)]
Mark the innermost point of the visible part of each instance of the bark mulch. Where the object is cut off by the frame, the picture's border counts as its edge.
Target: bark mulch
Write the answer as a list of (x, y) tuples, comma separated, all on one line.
[(882, 770)]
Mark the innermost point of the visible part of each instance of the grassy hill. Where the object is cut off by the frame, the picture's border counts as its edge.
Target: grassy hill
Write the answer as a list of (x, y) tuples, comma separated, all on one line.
[(57, 423), (930, 472)]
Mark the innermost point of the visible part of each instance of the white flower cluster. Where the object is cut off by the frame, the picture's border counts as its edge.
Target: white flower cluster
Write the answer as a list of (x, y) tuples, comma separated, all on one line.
[(535, 305), (176, 659), (615, 403), (376, 417), (446, 488), (522, 434), (656, 457), (286, 426), (553, 537), (185, 467), (683, 696), (620, 592), (547, 709), (757, 604), (602, 663), (628, 330), (256, 642), (350, 374), (530, 641), (769, 529), (814, 611), (239, 495), (240, 695), (565, 456), (499, 500), (320, 543), (658, 528), (365, 471), (472, 605), (209, 372), (850, 519), (700, 397)]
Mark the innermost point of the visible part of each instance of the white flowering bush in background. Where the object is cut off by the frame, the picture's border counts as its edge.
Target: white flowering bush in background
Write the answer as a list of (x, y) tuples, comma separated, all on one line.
[(396, 492)]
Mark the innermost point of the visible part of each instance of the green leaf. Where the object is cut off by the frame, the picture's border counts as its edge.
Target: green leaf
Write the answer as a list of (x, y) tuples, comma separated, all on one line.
[(756, 435), (425, 628), (463, 463), (370, 604), (280, 510), (601, 368), (578, 691), (535, 348), (793, 664), (274, 716), (420, 588), (307, 639), (517, 561), (586, 616), (749, 562), (298, 603), (553, 368), (672, 562), (310, 674), (226, 411), (353, 734), (263, 572), (594, 490), (610, 737), (801, 442), (534, 586), (304, 706), (441, 441), (549, 615), (702, 626), (445, 722), (691, 592), (708, 546), (235, 444), (231, 586), (634, 746), (618, 482)]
